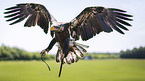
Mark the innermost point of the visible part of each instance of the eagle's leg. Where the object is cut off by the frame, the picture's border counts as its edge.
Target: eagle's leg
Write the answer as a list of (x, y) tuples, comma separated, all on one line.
[(65, 52), (53, 41)]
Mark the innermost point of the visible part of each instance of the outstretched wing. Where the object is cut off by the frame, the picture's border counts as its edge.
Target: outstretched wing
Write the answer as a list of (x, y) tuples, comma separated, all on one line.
[(93, 20), (36, 13)]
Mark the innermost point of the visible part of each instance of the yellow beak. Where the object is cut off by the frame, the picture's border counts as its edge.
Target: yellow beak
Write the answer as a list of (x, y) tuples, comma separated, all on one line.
[(52, 28)]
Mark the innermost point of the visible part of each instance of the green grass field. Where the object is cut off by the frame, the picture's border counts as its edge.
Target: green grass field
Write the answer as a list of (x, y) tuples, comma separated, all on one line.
[(93, 70)]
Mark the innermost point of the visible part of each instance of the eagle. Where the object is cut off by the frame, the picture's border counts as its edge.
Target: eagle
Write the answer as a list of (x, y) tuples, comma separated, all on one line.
[(91, 21)]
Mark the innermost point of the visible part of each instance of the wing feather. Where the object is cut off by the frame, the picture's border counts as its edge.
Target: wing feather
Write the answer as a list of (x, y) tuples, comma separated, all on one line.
[(123, 22), (36, 13), (90, 29), (121, 26), (124, 18), (93, 20)]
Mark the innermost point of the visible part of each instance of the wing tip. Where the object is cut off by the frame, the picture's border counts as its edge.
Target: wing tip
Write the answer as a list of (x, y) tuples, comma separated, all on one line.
[(11, 24), (115, 9), (45, 32)]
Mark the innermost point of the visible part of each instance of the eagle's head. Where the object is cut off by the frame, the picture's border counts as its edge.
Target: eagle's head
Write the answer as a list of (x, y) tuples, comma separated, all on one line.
[(61, 27), (58, 28)]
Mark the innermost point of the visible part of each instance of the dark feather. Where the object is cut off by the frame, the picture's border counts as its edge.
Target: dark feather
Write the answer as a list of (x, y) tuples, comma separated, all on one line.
[(95, 25), (11, 11), (123, 22), (15, 7), (52, 33), (11, 15), (90, 28), (19, 20), (121, 26), (13, 18), (87, 32), (122, 14), (125, 18), (117, 29), (29, 21), (103, 24), (83, 34), (114, 9), (113, 25)]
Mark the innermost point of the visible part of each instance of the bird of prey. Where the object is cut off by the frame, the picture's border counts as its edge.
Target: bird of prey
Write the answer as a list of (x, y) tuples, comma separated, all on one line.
[(91, 21)]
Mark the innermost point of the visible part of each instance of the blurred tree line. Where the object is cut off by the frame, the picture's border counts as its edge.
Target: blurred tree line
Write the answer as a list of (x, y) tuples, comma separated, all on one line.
[(14, 53), (103, 55), (138, 53)]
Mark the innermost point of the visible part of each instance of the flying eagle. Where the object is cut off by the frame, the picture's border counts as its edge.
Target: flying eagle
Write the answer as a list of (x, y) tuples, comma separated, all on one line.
[(91, 21)]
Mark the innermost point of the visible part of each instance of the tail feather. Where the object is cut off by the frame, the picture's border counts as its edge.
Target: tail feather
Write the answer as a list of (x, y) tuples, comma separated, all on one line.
[(76, 51)]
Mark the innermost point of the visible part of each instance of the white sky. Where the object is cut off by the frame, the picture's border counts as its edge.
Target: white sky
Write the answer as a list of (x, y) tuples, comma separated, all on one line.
[(34, 39)]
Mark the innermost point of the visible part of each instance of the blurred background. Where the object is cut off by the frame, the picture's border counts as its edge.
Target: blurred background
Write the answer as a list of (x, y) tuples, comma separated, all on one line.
[(110, 56)]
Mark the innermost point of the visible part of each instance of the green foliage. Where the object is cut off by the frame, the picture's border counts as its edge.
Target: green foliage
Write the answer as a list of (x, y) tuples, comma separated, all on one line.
[(134, 53), (103, 55), (5, 55), (14, 53), (36, 56)]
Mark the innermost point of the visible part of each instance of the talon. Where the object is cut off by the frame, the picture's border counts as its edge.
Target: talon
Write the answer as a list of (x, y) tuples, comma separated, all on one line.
[(43, 52)]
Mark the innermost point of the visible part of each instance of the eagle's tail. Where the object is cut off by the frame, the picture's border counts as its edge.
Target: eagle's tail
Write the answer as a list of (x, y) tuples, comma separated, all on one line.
[(76, 51)]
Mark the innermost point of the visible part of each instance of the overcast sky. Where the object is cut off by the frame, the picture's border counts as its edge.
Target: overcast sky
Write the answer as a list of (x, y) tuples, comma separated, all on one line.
[(34, 39)]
